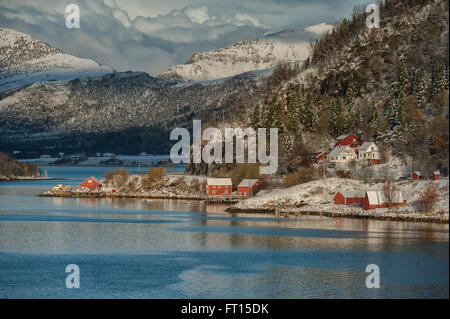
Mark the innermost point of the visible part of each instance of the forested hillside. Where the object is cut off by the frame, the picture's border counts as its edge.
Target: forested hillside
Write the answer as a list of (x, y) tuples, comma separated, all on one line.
[(10, 168), (389, 85)]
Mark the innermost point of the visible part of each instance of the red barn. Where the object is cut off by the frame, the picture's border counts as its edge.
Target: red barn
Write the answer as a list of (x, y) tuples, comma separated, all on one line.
[(218, 186), (348, 140), (416, 175), (348, 197), (90, 183), (249, 187), (376, 199), (318, 157), (436, 175)]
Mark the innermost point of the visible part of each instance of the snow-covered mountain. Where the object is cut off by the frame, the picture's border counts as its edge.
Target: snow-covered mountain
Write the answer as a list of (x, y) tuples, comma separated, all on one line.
[(244, 56), (25, 60)]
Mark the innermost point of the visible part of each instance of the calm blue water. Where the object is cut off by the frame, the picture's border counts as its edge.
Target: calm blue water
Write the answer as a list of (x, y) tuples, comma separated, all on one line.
[(181, 249)]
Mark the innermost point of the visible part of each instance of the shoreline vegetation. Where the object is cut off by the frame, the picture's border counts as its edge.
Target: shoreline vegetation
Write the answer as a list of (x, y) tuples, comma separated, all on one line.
[(310, 198), (11, 169)]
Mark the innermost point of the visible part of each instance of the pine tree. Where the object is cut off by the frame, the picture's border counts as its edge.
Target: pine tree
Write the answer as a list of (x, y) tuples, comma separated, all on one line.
[(446, 78), (256, 117), (374, 122), (349, 106), (307, 113), (335, 117), (403, 80), (314, 118), (440, 80), (420, 87)]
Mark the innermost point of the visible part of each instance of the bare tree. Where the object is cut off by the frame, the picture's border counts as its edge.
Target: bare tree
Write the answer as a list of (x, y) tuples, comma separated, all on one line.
[(389, 191)]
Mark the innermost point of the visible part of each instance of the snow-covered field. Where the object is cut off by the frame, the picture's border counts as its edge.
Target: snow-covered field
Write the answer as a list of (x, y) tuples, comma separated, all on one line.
[(319, 195)]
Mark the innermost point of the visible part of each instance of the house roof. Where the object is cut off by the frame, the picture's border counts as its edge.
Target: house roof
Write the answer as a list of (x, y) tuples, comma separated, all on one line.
[(318, 154), (352, 194), (219, 181), (418, 173), (339, 150), (248, 182), (437, 173), (366, 145), (378, 197), (341, 137)]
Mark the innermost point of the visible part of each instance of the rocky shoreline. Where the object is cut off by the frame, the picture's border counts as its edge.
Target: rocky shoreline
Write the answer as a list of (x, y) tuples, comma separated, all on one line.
[(403, 216), (387, 215), (119, 195)]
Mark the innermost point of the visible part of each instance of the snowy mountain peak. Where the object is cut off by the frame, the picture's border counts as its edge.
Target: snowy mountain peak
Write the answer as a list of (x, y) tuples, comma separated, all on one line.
[(244, 56), (25, 60)]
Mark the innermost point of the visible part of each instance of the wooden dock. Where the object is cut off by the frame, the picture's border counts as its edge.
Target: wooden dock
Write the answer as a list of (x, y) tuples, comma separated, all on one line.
[(224, 199)]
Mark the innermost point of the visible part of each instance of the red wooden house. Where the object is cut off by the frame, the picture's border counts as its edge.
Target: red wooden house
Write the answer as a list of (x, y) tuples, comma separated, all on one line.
[(348, 197), (416, 175), (319, 157), (249, 187), (91, 183), (348, 140), (436, 175), (218, 186)]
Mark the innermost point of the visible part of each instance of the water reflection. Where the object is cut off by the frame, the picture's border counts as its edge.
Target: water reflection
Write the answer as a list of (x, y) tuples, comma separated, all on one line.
[(210, 253)]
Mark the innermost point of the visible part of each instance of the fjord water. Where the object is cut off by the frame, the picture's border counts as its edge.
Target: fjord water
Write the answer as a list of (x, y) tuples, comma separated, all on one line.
[(183, 249)]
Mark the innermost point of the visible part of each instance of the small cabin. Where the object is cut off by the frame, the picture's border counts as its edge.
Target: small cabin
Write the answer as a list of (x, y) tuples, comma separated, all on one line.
[(436, 175), (218, 186), (416, 175), (249, 187), (348, 197), (91, 183)]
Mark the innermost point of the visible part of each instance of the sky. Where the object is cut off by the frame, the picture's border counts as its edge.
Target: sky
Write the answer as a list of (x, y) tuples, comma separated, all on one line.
[(152, 35)]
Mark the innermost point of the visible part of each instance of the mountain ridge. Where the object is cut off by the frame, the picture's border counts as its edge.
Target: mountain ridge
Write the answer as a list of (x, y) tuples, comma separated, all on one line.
[(244, 56)]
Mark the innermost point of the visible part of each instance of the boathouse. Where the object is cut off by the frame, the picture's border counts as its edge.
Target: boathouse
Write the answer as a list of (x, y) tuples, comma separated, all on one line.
[(249, 187), (377, 199), (218, 186), (349, 197)]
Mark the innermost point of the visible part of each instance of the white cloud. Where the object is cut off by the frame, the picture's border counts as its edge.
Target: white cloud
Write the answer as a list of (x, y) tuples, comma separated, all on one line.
[(153, 35), (247, 18), (197, 15)]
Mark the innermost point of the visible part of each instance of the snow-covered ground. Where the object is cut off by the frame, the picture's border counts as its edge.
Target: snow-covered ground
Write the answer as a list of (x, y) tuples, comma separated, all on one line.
[(319, 195)]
